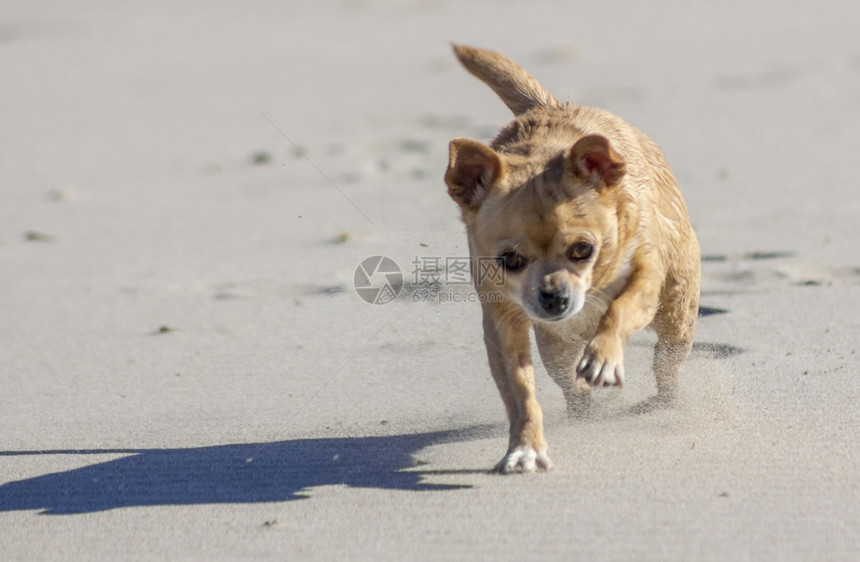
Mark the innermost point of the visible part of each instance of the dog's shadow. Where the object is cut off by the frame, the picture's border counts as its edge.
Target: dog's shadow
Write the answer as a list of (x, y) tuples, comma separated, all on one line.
[(241, 473)]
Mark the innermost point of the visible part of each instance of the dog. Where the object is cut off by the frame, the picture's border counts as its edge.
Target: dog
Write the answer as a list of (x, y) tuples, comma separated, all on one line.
[(582, 216)]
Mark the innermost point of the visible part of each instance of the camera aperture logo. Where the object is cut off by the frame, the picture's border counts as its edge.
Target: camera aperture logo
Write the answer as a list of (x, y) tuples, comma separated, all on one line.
[(378, 280), (436, 279)]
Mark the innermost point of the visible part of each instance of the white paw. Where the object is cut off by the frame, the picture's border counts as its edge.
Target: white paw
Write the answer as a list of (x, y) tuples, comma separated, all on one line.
[(523, 459), (598, 371)]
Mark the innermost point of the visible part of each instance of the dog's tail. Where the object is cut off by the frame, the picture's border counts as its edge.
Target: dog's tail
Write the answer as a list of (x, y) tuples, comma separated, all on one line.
[(517, 88)]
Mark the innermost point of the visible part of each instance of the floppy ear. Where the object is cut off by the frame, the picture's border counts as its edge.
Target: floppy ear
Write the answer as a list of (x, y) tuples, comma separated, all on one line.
[(593, 157), (473, 169)]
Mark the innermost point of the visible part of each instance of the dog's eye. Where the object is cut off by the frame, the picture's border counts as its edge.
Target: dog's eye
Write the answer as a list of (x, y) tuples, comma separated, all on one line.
[(580, 251), (512, 261)]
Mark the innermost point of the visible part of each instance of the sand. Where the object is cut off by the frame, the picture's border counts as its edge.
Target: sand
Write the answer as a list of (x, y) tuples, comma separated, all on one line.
[(186, 370)]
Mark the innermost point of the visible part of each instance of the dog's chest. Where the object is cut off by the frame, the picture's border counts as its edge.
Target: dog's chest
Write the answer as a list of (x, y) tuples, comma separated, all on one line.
[(583, 324)]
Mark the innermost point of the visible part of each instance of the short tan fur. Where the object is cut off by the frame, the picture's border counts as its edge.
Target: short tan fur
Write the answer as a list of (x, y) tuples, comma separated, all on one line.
[(584, 215)]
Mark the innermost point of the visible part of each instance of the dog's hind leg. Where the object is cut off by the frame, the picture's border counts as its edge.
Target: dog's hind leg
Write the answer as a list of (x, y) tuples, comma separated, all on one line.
[(675, 324), (560, 357)]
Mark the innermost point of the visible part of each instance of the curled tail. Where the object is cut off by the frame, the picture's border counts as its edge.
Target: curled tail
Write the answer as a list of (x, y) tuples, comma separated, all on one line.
[(516, 87)]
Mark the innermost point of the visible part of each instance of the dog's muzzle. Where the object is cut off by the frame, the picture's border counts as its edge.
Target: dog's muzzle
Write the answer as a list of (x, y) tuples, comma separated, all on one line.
[(555, 302)]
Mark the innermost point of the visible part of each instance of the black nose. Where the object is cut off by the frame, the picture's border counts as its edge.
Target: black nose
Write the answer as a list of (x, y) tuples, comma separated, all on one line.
[(555, 301)]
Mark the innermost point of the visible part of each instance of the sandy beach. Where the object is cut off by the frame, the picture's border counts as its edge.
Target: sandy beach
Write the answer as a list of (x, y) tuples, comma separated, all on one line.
[(187, 371)]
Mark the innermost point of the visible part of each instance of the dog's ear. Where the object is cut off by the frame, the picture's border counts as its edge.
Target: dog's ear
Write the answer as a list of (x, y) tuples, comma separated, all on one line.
[(473, 170), (592, 157)]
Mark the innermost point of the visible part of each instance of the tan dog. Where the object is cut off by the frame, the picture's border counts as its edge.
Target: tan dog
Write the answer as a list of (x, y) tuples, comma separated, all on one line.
[(584, 216)]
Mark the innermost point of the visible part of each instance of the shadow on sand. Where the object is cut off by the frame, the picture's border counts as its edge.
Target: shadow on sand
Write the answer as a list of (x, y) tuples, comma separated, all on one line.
[(263, 472)]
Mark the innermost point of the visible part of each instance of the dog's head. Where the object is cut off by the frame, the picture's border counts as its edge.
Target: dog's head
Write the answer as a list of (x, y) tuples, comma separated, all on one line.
[(549, 221)]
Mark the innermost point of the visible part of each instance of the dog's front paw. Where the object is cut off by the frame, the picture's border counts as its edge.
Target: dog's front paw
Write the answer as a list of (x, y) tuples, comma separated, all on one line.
[(602, 363), (523, 459)]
